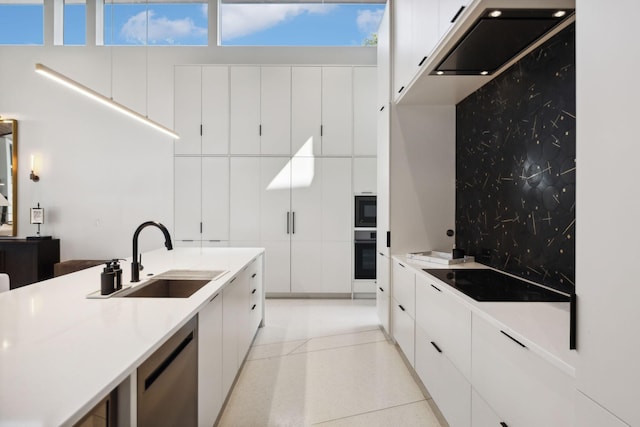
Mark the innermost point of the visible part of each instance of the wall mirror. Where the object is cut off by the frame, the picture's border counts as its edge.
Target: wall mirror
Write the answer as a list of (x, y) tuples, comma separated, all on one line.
[(8, 177)]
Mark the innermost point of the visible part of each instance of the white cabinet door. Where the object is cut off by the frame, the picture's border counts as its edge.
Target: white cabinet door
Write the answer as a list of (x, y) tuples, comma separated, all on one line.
[(215, 110), (384, 59), (364, 175), (257, 294), (447, 321), (187, 105), (215, 198), (210, 396), (449, 388), (404, 288), (230, 318), (590, 414), (382, 187), (336, 267), (382, 289), (245, 110), (275, 110), (244, 203), (402, 44), (448, 11), (337, 111), (306, 198), (404, 331), (244, 315), (523, 389), (187, 198), (364, 110), (425, 30), (306, 266), (275, 222), (335, 202), (306, 109), (483, 416)]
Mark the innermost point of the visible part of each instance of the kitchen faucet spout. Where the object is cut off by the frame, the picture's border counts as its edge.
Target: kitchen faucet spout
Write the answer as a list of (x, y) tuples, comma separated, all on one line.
[(135, 264)]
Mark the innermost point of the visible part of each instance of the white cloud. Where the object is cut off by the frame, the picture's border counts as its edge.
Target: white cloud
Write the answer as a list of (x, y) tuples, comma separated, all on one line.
[(160, 29), (369, 20), (243, 19)]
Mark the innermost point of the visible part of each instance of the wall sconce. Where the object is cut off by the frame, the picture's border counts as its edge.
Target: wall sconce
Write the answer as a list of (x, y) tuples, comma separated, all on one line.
[(35, 160)]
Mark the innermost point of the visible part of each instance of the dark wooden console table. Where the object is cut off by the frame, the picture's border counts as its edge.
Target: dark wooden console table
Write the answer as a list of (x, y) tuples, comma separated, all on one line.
[(28, 261)]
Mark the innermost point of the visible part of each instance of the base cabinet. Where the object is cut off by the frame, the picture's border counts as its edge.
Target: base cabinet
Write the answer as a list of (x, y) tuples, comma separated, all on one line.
[(481, 414), (210, 395), (449, 388), (524, 389), (382, 290), (590, 414)]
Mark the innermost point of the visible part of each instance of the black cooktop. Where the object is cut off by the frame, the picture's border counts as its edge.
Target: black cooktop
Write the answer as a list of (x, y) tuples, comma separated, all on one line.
[(490, 285)]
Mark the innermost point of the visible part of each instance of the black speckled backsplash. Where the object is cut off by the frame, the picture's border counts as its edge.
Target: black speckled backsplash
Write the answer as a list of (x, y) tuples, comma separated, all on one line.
[(516, 170)]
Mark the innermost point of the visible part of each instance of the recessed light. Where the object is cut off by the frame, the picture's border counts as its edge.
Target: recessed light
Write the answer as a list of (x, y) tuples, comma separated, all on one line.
[(439, 73), (559, 14), (495, 13), (484, 73)]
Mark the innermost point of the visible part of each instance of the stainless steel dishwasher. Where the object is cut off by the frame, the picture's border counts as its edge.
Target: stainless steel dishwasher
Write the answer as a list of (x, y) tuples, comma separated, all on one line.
[(168, 382)]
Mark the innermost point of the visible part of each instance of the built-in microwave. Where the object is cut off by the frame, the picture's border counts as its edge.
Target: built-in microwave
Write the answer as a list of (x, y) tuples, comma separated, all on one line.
[(365, 211)]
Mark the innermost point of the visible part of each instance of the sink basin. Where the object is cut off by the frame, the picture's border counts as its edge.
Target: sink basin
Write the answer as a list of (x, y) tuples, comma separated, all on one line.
[(173, 284)]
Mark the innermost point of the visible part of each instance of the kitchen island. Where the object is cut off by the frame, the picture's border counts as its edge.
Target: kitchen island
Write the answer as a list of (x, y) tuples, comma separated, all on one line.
[(62, 353)]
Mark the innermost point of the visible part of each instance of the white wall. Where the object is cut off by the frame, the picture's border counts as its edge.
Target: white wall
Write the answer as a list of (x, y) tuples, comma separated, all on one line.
[(103, 174)]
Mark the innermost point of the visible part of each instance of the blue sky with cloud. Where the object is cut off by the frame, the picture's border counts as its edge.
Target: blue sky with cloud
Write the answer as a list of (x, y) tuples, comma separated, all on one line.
[(186, 24)]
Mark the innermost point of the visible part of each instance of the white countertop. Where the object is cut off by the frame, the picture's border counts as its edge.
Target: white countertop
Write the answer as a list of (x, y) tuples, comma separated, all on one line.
[(61, 353), (542, 326)]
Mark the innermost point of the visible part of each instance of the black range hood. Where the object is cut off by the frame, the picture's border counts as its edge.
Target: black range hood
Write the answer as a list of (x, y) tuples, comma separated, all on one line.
[(498, 36)]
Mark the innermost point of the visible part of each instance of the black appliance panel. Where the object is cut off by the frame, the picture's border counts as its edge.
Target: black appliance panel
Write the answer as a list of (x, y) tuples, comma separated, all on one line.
[(365, 211), (491, 285), (365, 255)]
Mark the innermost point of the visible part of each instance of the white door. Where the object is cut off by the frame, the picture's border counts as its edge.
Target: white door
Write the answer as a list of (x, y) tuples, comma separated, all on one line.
[(245, 110), (336, 205), (364, 175), (364, 110), (187, 105), (244, 199), (337, 111), (382, 187), (215, 110), (187, 198), (275, 221), (215, 199), (306, 109), (425, 30), (210, 396), (275, 110), (306, 198)]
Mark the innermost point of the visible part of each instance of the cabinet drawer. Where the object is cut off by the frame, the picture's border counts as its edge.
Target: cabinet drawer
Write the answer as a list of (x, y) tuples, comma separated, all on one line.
[(382, 307), (449, 388), (523, 389), (446, 320), (481, 414), (404, 289), (403, 331)]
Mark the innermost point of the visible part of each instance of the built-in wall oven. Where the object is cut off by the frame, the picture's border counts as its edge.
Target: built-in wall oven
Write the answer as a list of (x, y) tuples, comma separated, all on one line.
[(365, 255), (365, 211)]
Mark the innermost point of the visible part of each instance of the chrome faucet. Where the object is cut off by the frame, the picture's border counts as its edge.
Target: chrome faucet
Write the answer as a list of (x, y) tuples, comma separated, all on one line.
[(136, 265)]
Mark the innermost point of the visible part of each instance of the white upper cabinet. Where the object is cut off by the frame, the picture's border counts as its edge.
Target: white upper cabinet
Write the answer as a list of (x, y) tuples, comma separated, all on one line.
[(384, 59), (187, 116), (275, 110), (364, 111), (306, 109), (215, 198), (425, 31), (382, 187), (337, 111), (337, 215), (187, 198), (402, 44), (215, 110), (364, 175), (245, 110), (244, 202), (448, 11)]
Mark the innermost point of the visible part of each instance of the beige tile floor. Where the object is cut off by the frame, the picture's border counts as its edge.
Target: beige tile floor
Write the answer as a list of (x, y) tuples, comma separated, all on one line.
[(325, 363)]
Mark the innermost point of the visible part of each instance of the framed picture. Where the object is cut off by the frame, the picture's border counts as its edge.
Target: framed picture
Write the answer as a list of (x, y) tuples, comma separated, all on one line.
[(37, 215)]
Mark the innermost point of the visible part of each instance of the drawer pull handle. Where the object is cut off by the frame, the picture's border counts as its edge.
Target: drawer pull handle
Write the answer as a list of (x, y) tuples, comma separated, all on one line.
[(422, 62), (381, 290), (253, 308), (216, 296), (401, 265), (233, 280), (436, 347), (401, 307), (253, 291), (513, 339), (503, 424), (436, 288), (253, 275)]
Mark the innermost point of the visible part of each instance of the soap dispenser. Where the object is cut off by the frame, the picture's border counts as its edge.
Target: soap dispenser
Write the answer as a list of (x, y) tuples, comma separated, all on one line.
[(107, 279)]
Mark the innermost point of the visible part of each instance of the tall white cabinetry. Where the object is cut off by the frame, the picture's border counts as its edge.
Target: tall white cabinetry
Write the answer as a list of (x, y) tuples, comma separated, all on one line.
[(608, 324), (297, 143)]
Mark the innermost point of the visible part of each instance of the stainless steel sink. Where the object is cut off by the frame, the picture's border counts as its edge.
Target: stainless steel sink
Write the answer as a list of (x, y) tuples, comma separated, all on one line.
[(173, 284)]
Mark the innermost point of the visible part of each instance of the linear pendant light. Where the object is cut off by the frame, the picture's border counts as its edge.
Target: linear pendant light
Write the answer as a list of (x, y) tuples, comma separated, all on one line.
[(80, 88)]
